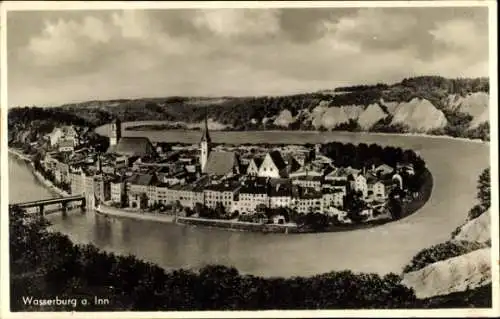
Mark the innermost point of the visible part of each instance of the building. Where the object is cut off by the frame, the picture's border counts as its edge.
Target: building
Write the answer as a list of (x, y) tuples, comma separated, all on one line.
[(133, 147), (292, 165), (61, 172), (359, 185), (205, 146), (384, 170), (102, 189), (333, 197), (77, 183), (185, 195), (223, 193), (396, 178), (82, 183), (115, 132), (141, 190), (58, 134), (378, 189), (162, 194), (273, 166), (70, 133), (222, 164), (311, 181), (177, 178), (216, 163), (280, 195), (253, 166), (337, 174), (66, 145), (250, 197), (118, 189), (54, 137), (308, 201)]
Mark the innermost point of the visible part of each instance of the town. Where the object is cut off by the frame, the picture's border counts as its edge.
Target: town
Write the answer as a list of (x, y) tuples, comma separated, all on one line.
[(259, 184)]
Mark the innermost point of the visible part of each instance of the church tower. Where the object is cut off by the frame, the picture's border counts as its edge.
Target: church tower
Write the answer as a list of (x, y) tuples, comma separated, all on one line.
[(205, 145), (115, 132)]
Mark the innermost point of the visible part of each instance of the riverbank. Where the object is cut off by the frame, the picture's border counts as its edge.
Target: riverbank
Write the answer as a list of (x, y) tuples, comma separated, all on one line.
[(236, 225), (19, 155), (48, 184), (139, 215)]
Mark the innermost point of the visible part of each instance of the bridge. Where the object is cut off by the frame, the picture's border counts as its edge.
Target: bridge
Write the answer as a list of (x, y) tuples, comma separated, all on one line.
[(62, 202)]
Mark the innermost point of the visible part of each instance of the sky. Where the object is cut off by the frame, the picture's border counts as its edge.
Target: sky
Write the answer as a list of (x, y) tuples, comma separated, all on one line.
[(57, 57)]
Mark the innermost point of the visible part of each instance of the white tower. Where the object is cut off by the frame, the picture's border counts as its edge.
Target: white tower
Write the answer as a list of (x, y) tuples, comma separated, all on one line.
[(115, 132), (204, 146)]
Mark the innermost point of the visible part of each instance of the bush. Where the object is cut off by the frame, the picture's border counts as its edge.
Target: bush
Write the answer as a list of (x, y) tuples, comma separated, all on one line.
[(440, 252), (475, 212), (475, 298)]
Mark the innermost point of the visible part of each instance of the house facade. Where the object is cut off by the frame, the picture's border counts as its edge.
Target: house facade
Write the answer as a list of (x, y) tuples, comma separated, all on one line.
[(272, 166)]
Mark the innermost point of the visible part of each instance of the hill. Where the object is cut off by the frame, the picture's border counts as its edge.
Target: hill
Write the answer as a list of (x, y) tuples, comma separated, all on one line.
[(457, 274), (426, 104)]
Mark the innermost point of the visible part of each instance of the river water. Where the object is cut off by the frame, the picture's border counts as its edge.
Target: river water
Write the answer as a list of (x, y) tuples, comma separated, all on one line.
[(455, 166)]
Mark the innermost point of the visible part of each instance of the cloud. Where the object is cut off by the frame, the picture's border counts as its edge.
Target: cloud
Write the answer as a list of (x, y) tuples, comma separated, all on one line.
[(63, 41), (460, 36), (112, 54), (230, 23)]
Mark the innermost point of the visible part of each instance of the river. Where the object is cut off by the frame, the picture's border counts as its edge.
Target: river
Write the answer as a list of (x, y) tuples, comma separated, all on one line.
[(455, 165)]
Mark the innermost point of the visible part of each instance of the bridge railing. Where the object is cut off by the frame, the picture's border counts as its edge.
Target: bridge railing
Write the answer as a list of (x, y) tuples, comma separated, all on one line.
[(49, 201)]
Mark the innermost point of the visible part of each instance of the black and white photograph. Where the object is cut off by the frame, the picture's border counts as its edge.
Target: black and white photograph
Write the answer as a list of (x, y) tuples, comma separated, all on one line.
[(265, 159)]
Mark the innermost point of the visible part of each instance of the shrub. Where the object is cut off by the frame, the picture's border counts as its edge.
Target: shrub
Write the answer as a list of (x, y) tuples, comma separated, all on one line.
[(480, 297), (475, 212), (440, 252)]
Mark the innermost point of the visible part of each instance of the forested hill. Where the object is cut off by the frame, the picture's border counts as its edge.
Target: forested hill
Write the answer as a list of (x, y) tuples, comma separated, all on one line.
[(428, 104)]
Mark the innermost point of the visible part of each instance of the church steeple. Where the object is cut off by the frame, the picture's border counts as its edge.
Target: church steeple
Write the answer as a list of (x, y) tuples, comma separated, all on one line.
[(205, 137), (115, 133), (205, 144)]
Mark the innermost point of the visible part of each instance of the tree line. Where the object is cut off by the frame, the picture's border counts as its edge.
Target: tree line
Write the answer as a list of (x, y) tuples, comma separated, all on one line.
[(363, 155), (248, 113)]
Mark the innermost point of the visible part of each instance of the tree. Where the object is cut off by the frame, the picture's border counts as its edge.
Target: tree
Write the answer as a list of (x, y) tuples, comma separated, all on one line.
[(354, 205), (394, 203), (440, 252), (123, 200), (143, 200), (220, 210), (484, 188), (198, 209)]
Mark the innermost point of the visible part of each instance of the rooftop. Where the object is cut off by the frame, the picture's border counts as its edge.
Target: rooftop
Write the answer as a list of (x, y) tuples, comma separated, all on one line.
[(133, 146), (223, 187), (277, 159), (221, 163)]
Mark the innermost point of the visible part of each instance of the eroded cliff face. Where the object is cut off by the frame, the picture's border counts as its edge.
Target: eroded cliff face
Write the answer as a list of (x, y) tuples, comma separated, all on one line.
[(371, 115), (482, 118), (477, 229), (284, 119), (473, 104), (329, 117), (461, 273), (419, 115)]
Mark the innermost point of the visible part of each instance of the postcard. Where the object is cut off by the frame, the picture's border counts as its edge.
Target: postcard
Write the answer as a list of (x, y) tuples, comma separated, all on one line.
[(249, 159)]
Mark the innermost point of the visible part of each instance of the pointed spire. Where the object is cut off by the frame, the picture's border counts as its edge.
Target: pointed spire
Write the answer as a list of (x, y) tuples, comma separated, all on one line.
[(206, 137)]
